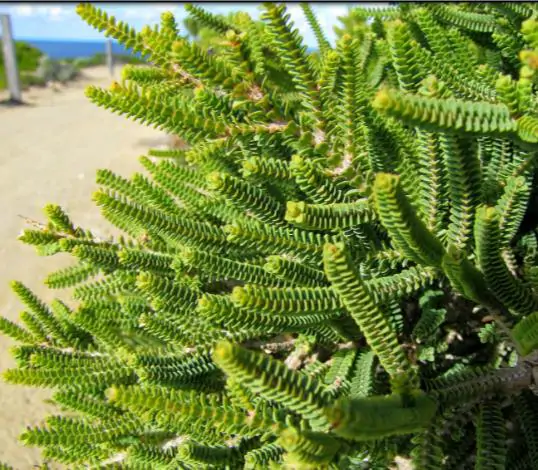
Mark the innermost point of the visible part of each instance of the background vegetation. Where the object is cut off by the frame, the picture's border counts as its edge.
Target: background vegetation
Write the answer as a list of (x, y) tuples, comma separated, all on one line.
[(29, 59)]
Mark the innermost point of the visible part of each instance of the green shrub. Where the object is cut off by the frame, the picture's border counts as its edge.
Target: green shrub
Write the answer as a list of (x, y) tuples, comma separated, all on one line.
[(36, 69), (27, 61), (100, 59), (27, 56), (339, 272), (55, 70)]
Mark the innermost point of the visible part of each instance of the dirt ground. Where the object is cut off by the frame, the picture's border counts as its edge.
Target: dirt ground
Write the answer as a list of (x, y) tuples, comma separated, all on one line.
[(50, 150)]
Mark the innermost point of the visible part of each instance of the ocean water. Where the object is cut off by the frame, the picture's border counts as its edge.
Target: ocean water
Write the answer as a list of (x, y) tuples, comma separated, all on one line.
[(72, 49)]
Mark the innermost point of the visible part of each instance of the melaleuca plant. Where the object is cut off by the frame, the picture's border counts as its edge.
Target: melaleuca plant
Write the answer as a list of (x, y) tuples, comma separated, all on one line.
[(339, 272)]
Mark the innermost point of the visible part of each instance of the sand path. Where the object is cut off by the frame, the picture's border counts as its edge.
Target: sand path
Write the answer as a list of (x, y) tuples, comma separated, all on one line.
[(49, 152)]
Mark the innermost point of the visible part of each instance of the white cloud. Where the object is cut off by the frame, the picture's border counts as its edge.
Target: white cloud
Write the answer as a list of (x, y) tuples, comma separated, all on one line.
[(333, 12), (42, 20), (327, 16), (52, 12), (298, 18), (56, 13), (24, 10), (146, 13), (143, 14)]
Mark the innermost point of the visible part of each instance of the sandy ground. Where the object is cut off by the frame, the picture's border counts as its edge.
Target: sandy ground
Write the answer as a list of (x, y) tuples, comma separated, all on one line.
[(49, 152)]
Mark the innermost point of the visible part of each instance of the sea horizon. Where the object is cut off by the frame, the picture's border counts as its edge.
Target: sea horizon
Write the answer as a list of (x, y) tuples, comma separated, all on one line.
[(74, 48), (63, 39)]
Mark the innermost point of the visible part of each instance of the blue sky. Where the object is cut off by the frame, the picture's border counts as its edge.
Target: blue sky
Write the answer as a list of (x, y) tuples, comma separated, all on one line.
[(59, 20)]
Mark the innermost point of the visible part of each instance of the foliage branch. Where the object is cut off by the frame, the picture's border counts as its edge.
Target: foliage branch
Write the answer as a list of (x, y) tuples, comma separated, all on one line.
[(340, 270)]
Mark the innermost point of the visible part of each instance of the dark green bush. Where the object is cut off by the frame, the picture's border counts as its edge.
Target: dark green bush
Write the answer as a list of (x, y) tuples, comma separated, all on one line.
[(339, 271), (27, 60)]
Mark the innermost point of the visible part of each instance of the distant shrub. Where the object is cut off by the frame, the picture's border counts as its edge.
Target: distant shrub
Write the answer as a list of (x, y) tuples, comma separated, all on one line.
[(27, 60), (51, 70), (100, 59), (36, 68)]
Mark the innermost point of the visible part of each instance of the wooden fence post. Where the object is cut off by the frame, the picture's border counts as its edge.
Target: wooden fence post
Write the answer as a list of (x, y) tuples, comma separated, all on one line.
[(10, 60), (109, 57)]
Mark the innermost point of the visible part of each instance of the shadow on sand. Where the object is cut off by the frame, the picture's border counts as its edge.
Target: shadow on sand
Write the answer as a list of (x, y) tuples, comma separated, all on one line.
[(11, 103)]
